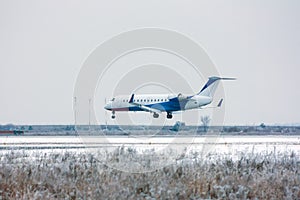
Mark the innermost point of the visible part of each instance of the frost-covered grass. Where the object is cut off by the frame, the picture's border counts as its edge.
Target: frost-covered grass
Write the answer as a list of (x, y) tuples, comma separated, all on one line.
[(71, 175)]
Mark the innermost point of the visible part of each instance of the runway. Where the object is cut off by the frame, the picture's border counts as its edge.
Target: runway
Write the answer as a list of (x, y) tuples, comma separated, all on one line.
[(219, 143)]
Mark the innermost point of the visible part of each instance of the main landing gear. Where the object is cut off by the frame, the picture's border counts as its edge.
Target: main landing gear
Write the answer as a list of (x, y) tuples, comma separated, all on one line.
[(113, 116), (155, 115), (169, 115)]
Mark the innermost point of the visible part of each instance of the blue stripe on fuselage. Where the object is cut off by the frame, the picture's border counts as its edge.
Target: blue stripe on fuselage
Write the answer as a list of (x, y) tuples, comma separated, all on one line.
[(170, 106)]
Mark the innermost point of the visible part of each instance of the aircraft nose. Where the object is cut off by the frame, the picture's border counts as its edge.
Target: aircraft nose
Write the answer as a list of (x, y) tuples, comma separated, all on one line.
[(108, 106)]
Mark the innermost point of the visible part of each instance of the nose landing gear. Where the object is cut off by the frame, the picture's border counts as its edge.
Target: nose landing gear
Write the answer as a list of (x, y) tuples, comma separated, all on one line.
[(113, 116)]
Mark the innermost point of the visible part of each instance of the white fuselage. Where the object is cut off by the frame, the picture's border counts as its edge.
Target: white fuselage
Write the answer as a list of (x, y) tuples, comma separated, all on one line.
[(162, 102)]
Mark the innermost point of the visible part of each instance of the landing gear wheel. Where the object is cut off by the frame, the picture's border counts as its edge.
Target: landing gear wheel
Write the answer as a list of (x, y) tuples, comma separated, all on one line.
[(155, 115), (169, 115), (113, 115)]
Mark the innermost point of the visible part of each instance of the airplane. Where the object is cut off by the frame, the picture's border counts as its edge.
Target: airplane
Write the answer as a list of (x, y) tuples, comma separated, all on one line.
[(169, 103)]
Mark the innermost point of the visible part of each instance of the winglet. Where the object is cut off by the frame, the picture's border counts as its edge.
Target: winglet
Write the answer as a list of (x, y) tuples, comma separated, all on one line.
[(131, 98), (220, 103)]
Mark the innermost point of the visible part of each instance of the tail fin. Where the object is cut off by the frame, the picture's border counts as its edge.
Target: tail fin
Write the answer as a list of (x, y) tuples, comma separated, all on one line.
[(211, 86)]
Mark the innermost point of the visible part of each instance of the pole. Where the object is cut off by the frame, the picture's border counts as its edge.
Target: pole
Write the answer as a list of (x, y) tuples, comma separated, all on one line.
[(89, 114)]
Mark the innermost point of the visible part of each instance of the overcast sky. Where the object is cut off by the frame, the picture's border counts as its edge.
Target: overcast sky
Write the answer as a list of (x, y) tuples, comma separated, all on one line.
[(43, 45)]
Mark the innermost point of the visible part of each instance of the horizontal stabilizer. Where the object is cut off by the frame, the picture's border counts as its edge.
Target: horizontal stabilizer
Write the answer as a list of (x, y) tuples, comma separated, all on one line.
[(228, 79), (211, 86)]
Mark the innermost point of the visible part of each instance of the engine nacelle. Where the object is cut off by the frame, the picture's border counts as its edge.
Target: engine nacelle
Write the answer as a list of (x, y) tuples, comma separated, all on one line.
[(198, 101)]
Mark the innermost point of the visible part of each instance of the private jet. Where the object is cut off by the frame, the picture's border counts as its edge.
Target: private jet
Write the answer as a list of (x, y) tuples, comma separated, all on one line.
[(169, 103)]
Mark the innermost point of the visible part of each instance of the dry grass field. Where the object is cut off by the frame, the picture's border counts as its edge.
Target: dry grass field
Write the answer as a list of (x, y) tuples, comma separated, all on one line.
[(71, 175)]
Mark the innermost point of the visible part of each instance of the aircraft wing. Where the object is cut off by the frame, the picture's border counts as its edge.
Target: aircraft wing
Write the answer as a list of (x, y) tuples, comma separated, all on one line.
[(180, 97), (143, 107), (218, 106)]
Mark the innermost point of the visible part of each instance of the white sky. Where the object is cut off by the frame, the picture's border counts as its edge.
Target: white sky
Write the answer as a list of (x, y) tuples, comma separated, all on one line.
[(44, 43)]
